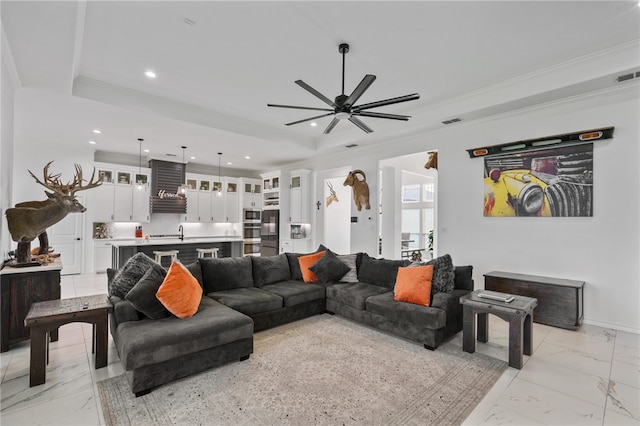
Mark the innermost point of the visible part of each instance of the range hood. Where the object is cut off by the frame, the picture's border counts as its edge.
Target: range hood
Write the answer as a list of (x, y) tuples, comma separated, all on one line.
[(166, 177)]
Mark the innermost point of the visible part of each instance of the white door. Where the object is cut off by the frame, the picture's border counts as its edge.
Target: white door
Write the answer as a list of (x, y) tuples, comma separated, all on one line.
[(65, 237), (333, 221)]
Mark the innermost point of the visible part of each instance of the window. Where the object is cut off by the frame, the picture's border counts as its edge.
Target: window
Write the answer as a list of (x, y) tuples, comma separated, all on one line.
[(411, 228), (410, 193), (428, 190)]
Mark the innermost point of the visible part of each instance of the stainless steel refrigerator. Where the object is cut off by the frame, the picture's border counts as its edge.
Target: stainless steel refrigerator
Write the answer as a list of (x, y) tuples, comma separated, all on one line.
[(270, 233)]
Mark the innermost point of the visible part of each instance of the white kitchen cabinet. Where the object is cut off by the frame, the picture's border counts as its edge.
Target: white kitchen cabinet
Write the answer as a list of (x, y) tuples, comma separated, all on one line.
[(122, 197), (232, 201), (101, 256), (100, 203), (140, 204), (251, 194), (271, 191), (300, 197)]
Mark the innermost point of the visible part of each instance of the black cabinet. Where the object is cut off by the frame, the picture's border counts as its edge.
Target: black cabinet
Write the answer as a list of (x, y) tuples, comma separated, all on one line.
[(560, 301)]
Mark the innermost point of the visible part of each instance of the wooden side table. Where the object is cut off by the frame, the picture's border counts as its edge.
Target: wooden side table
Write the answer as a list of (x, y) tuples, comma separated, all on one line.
[(45, 317), (518, 313)]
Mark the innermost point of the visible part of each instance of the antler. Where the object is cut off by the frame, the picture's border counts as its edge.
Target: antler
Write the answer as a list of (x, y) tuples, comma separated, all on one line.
[(333, 192), (53, 183), (77, 181), (364, 177)]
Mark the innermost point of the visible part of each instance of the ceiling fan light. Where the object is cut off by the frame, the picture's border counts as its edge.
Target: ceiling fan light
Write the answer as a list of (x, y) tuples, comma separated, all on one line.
[(342, 115)]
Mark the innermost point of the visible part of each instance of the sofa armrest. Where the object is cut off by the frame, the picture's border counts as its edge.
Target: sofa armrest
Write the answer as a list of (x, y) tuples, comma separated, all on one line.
[(449, 302), (123, 310)]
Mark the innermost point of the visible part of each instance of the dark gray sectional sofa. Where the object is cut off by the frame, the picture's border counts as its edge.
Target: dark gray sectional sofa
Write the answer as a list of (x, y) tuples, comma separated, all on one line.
[(248, 294)]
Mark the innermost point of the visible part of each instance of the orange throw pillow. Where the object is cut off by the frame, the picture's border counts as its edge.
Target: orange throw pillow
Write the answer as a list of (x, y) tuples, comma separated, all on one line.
[(180, 292), (305, 262), (413, 285)]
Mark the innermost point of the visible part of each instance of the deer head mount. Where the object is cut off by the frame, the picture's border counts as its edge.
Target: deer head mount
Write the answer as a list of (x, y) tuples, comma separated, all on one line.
[(333, 197), (30, 219), (360, 188)]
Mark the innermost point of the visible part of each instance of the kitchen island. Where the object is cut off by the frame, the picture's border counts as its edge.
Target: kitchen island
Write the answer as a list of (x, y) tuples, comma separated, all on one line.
[(123, 250)]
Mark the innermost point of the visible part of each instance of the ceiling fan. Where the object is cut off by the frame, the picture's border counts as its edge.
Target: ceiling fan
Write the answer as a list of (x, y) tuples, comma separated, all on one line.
[(344, 106)]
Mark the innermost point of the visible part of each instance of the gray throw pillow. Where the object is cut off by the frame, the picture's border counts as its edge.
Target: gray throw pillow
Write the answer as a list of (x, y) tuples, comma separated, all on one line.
[(443, 280), (270, 269), (329, 269), (350, 261), (130, 274), (381, 272), (294, 264), (143, 295), (226, 273)]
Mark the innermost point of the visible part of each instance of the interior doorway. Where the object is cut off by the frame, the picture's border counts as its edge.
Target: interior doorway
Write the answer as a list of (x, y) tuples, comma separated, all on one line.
[(66, 238), (333, 210), (408, 216)]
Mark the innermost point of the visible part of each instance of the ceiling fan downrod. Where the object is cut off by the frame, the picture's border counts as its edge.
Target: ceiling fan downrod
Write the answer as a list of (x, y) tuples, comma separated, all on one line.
[(344, 49)]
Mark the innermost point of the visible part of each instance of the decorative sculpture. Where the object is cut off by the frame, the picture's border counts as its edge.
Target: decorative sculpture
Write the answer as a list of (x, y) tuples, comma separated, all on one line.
[(333, 197), (360, 188), (30, 219), (432, 162)]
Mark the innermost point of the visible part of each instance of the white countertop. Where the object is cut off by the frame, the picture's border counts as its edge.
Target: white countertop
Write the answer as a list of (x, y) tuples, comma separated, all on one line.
[(170, 241)]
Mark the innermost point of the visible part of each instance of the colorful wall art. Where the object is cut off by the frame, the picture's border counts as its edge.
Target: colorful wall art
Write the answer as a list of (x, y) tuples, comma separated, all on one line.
[(548, 182)]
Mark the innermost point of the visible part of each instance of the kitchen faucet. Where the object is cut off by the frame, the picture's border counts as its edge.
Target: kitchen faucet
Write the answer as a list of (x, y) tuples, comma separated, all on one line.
[(181, 229)]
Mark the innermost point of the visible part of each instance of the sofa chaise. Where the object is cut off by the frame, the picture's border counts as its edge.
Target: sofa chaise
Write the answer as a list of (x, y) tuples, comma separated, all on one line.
[(248, 294)]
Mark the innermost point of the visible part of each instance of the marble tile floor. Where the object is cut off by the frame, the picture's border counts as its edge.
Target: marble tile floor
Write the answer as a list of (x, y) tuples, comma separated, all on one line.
[(584, 377)]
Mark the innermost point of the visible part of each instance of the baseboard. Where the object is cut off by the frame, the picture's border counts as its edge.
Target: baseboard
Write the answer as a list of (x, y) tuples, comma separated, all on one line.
[(614, 326)]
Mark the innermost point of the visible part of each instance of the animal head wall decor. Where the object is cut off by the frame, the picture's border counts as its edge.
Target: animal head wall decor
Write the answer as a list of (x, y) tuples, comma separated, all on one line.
[(432, 162), (360, 188), (30, 219), (333, 197)]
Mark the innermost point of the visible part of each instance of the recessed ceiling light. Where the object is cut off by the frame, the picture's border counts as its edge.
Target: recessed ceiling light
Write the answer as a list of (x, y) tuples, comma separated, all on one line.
[(229, 163), (150, 74), (192, 157), (313, 124), (97, 131), (145, 150), (92, 142), (247, 157)]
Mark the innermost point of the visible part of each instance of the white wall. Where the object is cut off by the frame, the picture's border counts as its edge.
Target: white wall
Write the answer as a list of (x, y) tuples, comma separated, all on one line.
[(9, 84), (603, 250)]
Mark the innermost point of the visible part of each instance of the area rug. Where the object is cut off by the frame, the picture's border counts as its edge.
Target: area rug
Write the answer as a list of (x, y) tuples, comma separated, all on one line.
[(322, 370)]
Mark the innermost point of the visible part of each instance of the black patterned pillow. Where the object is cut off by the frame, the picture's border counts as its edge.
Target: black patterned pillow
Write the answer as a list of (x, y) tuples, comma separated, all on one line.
[(130, 274), (443, 280)]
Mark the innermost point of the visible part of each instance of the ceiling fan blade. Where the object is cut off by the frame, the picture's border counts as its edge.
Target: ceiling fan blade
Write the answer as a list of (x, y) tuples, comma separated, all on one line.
[(299, 107), (315, 93), (360, 124), (382, 115), (331, 126), (308, 119), (386, 102), (358, 91)]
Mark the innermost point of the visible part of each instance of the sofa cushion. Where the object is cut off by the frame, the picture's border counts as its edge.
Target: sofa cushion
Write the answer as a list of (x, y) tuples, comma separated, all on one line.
[(413, 285), (354, 294), (380, 272), (270, 269), (329, 268), (350, 260), (130, 273), (306, 262), (294, 265), (463, 277), (295, 293), (196, 271), (443, 275), (180, 292), (406, 313), (147, 342), (226, 273), (248, 300), (143, 295)]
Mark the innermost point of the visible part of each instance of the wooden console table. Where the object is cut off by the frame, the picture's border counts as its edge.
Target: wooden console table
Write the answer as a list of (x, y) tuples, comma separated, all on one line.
[(560, 301), (20, 288)]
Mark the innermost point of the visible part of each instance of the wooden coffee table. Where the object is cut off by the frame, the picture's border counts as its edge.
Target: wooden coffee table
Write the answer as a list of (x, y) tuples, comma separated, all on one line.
[(45, 317), (518, 313)]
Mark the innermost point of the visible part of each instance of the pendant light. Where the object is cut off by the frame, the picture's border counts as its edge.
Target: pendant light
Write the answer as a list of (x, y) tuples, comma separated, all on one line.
[(182, 189), (219, 194), (139, 183)]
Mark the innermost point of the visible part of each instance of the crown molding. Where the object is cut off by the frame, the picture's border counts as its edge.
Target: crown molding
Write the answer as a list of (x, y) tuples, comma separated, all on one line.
[(9, 63)]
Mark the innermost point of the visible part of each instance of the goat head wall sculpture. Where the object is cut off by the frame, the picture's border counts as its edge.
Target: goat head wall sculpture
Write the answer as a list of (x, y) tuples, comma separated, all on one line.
[(432, 162), (360, 188), (30, 219)]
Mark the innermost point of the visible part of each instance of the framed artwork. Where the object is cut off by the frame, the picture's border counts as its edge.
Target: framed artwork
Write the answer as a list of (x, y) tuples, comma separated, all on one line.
[(549, 182)]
